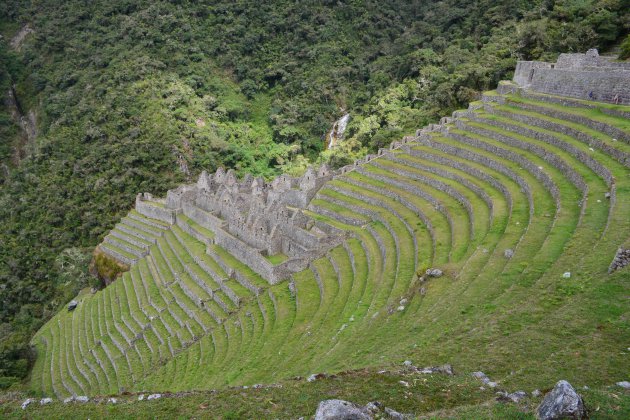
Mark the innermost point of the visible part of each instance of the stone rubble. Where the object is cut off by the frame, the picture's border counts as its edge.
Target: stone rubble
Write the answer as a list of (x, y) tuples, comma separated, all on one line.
[(624, 384), (514, 397), (486, 381), (434, 272), (27, 402), (621, 259)]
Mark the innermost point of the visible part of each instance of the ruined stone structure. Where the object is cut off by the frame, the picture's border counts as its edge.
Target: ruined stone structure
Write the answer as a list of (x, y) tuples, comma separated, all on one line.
[(251, 219), (479, 199), (254, 220), (584, 76)]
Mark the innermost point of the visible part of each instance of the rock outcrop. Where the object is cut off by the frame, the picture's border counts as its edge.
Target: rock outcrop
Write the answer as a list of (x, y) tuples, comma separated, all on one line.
[(561, 403), (344, 410)]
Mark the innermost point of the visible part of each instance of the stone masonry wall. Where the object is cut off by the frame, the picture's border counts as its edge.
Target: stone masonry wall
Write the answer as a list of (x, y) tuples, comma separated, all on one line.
[(602, 86)]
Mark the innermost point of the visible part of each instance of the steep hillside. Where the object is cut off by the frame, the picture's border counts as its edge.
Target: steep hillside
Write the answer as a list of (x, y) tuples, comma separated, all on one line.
[(141, 96), (485, 241)]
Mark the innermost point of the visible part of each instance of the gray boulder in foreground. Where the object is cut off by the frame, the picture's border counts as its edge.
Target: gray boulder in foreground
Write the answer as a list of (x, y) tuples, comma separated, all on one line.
[(345, 410), (340, 410), (561, 403)]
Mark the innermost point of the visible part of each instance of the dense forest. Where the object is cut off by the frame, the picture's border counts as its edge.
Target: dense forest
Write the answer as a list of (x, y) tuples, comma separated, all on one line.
[(133, 96)]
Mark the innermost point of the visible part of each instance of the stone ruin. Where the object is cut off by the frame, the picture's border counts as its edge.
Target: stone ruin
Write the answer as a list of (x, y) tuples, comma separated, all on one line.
[(585, 76), (253, 219), (250, 218)]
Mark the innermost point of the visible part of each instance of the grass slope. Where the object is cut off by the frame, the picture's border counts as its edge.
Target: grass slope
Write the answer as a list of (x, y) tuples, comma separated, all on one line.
[(456, 200)]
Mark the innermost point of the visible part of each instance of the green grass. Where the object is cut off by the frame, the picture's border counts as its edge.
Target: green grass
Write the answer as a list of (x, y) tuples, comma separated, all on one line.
[(591, 114), (590, 104), (516, 319), (196, 226), (429, 396), (276, 259)]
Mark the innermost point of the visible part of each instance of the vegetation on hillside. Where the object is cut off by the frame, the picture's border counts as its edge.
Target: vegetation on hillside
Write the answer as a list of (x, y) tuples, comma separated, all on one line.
[(141, 95)]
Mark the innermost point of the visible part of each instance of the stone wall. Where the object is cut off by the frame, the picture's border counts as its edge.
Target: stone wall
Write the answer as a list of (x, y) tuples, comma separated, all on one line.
[(602, 86), (585, 76), (149, 207), (525, 70)]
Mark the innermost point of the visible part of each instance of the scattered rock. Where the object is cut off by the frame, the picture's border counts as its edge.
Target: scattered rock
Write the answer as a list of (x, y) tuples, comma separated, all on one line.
[(508, 253), (141, 397), (624, 384), (27, 402), (514, 397), (154, 397), (446, 369), (536, 393), (561, 402), (400, 308), (404, 383), (607, 195), (45, 401), (112, 400), (482, 376), (403, 301), (72, 305), (339, 409), (316, 376), (68, 400), (81, 399), (423, 291), (407, 363), (567, 275), (395, 415), (434, 272)]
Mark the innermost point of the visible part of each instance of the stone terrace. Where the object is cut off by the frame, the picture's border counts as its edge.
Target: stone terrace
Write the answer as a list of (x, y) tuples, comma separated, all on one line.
[(501, 197)]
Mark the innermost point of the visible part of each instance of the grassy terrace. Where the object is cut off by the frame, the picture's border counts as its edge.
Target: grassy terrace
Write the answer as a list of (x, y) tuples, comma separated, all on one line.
[(196, 226), (591, 114), (192, 316), (598, 135)]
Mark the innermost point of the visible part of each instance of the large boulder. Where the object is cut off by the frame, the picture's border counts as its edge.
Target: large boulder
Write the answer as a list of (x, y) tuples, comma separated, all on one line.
[(561, 403), (344, 410), (340, 410)]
